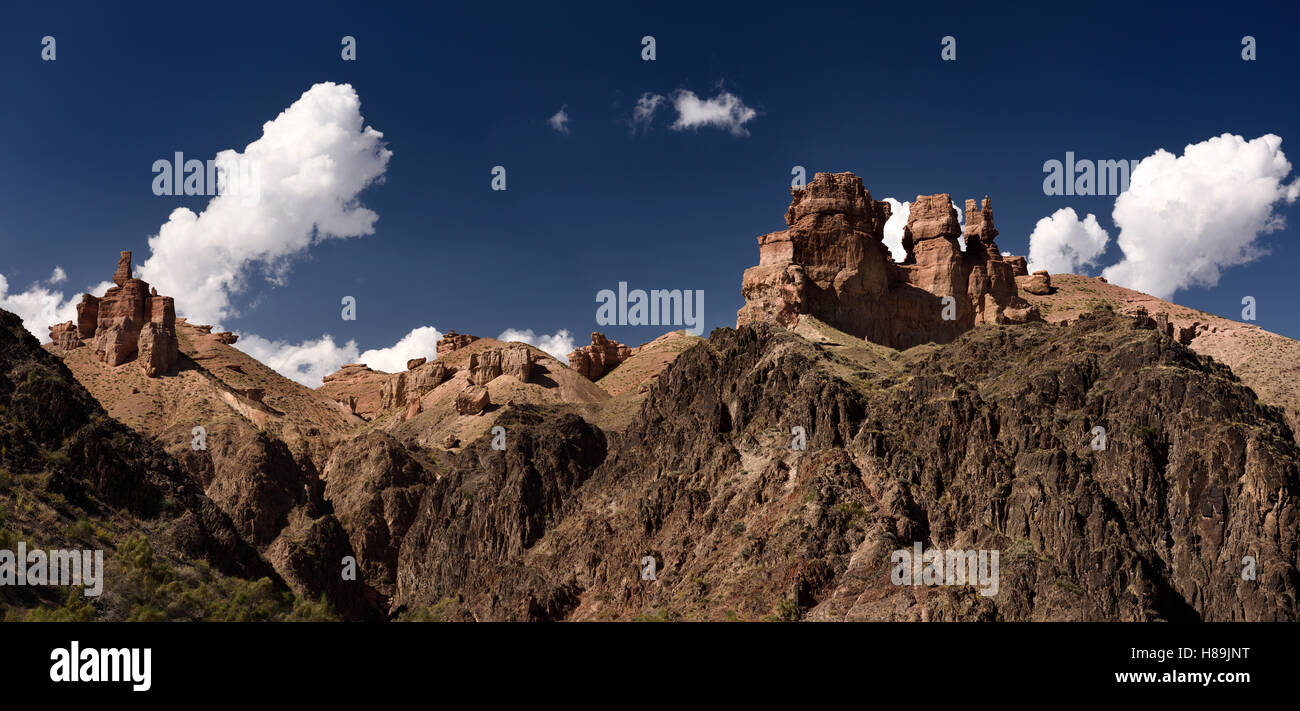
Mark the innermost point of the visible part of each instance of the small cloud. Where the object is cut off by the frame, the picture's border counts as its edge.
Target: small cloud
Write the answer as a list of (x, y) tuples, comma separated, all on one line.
[(644, 111), (560, 121), (1064, 244), (58, 277), (559, 345), (725, 111)]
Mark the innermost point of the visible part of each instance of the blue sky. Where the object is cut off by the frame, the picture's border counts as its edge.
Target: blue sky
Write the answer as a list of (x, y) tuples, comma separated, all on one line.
[(457, 90)]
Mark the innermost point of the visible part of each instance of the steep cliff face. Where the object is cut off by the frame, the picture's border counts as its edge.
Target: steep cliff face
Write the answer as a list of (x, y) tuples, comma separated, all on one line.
[(986, 443), (831, 263)]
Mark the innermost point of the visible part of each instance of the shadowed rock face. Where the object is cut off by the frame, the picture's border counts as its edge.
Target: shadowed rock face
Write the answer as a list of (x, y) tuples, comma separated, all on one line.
[(831, 263), (981, 444), (99, 463)]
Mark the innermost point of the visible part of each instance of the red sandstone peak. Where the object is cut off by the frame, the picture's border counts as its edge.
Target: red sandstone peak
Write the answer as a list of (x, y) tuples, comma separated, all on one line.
[(831, 263), (129, 322)]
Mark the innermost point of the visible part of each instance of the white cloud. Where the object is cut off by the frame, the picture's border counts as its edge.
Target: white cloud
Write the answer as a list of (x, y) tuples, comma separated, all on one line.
[(312, 161), (1185, 218), (1064, 244), (560, 344), (307, 362), (310, 361), (40, 307), (898, 213), (644, 112), (725, 111), (560, 121), (421, 342)]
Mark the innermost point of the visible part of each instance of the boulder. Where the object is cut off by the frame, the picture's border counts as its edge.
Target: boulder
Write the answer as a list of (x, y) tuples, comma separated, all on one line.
[(472, 400), (1040, 283), (415, 363)]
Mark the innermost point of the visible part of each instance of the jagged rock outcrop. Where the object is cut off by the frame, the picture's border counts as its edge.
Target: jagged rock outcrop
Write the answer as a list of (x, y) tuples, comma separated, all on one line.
[(375, 485), (1019, 266), (513, 359), (227, 338), (831, 263), (409, 386), (476, 524), (451, 341), (87, 316), (597, 359), (64, 336), (130, 322)]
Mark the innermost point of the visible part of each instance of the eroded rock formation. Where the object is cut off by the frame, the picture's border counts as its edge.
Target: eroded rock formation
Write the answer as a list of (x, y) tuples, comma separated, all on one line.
[(452, 341), (409, 386), (129, 322), (597, 359), (64, 336), (514, 359), (831, 263)]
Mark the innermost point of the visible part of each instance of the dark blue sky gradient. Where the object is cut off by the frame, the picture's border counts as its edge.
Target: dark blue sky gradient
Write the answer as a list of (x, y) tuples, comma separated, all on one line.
[(459, 88)]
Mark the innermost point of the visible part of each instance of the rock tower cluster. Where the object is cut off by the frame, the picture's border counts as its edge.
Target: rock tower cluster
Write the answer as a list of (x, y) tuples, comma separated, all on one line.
[(129, 322), (831, 263)]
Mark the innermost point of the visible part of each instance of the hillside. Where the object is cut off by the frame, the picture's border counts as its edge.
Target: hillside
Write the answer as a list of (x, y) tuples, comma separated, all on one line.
[(1267, 362)]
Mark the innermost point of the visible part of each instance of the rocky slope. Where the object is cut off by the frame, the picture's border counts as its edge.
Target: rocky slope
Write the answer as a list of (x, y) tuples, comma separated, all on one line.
[(1267, 362), (71, 477), (983, 443)]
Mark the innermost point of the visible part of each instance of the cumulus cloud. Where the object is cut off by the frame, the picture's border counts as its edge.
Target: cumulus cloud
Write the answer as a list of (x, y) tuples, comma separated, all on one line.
[(310, 361), (307, 362), (725, 111), (312, 162), (1065, 244), (1185, 218), (559, 344), (560, 121), (898, 213), (644, 111)]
